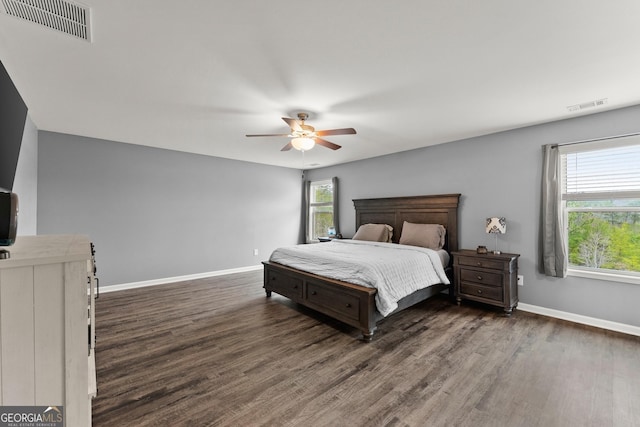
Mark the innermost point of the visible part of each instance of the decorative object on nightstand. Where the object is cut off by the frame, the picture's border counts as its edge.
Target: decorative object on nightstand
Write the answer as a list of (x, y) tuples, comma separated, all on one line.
[(487, 278), (496, 226)]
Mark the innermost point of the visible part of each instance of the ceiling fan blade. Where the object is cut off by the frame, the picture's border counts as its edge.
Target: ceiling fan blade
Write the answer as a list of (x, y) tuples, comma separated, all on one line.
[(327, 144), (287, 147), (293, 124), (345, 131), (270, 134)]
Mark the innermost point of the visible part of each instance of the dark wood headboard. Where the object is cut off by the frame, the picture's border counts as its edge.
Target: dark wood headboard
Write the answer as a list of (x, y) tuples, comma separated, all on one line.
[(435, 209)]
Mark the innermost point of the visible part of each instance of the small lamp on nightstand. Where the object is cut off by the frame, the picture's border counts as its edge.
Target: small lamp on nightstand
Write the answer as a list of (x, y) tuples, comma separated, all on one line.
[(496, 226)]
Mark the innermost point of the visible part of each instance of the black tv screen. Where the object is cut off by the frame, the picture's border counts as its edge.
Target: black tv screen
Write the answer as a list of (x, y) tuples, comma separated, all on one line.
[(13, 114), (8, 218)]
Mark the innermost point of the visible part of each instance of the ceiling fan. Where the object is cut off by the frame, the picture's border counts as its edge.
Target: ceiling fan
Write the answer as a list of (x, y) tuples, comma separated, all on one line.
[(305, 137)]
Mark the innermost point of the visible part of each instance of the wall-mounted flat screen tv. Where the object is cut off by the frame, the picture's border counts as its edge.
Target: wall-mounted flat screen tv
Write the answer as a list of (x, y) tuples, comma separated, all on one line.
[(13, 115)]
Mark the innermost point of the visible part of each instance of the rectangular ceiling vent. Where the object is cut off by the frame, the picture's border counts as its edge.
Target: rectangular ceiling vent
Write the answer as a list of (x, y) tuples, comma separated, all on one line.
[(590, 104), (62, 15)]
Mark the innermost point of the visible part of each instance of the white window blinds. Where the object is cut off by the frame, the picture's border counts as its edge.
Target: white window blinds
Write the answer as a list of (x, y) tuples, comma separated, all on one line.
[(612, 173)]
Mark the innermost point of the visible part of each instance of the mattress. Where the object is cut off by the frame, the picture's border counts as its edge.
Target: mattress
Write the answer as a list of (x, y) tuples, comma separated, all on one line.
[(394, 270)]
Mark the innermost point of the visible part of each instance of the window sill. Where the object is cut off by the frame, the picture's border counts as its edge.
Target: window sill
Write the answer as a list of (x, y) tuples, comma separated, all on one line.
[(613, 277)]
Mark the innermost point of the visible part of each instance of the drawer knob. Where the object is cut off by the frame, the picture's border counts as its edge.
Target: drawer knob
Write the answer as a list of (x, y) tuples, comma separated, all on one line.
[(479, 277), (479, 264), (480, 291), (348, 305), (273, 279), (295, 286), (314, 293)]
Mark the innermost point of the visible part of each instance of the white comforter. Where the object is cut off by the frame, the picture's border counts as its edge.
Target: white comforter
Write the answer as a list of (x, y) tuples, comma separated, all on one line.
[(394, 270)]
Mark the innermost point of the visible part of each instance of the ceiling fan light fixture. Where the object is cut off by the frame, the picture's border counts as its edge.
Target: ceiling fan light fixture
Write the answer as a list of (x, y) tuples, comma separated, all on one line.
[(304, 137), (303, 144)]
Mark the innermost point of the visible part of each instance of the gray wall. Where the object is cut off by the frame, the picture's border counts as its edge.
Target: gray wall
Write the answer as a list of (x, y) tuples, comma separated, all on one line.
[(25, 184), (156, 213), (498, 175)]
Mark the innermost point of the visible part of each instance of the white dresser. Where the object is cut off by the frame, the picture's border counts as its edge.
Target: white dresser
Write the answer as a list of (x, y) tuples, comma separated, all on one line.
[(46, 325)]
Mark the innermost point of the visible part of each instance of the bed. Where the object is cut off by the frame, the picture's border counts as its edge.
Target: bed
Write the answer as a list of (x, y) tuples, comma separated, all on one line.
[(355, 304)]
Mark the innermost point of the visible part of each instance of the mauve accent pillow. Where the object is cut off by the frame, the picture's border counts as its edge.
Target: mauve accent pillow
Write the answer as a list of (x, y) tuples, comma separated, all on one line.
[(425, 235), (374, 233)]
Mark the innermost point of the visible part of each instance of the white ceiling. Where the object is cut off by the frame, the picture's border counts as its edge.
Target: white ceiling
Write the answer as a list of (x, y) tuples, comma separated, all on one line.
[(196, 76)]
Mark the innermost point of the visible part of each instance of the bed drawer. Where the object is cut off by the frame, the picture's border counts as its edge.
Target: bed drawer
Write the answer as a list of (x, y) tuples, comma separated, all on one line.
[(488, 292), (333, 299), (285, 285)]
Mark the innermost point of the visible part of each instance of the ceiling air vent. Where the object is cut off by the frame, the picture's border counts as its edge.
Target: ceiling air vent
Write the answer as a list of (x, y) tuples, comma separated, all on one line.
[(590, 104), (70, 18)]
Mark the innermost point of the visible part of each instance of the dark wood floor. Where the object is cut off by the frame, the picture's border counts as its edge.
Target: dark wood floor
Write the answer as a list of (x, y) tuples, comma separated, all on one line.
[(216, 352)]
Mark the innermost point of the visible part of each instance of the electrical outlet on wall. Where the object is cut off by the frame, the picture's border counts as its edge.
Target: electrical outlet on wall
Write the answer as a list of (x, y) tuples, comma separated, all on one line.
[(255, 252), (520, 280)]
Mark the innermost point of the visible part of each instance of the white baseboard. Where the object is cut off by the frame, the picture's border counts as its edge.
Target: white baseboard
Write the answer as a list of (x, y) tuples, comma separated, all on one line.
[(585, 320), (166, 280)]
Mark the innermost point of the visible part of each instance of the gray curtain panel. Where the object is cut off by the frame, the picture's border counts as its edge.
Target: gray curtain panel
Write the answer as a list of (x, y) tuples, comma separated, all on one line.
[(552, 246), (334, 182), (305, 221)]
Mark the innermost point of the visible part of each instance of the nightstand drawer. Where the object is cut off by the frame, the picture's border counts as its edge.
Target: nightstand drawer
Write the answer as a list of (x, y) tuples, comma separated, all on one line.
[(285, 285), (480, 262), (489, 292), (480, 277)]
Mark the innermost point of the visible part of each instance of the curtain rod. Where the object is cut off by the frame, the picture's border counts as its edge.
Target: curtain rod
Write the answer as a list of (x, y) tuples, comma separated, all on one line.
[(594, 140)]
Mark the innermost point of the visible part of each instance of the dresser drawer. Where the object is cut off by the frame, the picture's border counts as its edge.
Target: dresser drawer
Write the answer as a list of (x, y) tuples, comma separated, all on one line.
[(285, 285), (480, 262), (334, 299), (489, 292), (481, 277)]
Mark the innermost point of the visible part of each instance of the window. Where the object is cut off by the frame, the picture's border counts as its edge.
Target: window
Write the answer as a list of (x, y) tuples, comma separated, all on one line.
[(600, 198), (321, 208)]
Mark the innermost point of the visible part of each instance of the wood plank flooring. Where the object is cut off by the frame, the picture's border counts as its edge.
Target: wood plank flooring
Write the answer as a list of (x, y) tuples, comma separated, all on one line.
[(217, 352)]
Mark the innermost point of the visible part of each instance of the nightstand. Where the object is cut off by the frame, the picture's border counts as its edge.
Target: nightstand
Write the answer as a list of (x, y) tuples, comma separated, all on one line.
[(487, 278)]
